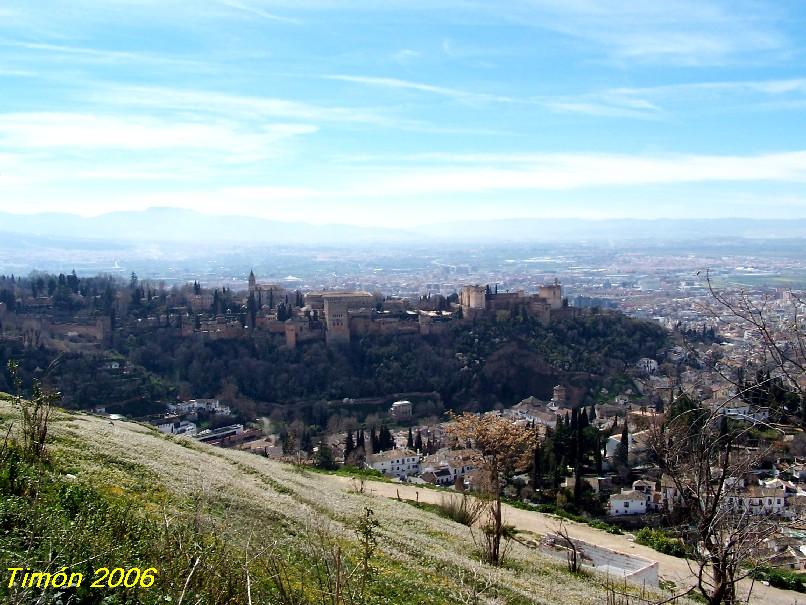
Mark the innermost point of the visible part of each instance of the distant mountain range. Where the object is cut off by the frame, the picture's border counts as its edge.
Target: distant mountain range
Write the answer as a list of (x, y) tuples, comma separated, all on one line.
[(175, 225)]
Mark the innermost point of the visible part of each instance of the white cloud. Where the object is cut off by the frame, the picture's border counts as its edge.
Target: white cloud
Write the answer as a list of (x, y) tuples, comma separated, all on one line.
[(240, 106), (453, 93), (511, 172), (690, 32), (406, 55), (31, 131), (651, 102), (444, 181), (256, 10), (100, 55)]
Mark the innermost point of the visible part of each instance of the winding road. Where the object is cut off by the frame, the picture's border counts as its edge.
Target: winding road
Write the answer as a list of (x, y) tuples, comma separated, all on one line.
[(670, 568)]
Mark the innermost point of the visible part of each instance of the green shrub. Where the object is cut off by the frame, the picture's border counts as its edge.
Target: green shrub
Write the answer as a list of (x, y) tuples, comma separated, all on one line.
[(781, 578), (659, 540), (462, 508), (552, 509)]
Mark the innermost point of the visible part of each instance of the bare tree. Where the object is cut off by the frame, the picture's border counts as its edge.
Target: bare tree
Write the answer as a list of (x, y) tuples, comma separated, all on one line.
[(574, 559), (781, 344), (503, 446), (705, 462)]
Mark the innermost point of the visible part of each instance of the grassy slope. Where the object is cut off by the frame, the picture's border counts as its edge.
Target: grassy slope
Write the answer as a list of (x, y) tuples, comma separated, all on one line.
[(421, 558)]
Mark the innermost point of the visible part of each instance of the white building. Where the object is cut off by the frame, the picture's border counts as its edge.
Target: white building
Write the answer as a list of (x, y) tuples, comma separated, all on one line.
[(212, 406), (647, 365), (401, 410), (636, 444), (628, 502), (444, 467), (741, 410), (174, 426), (758, 500), (395, 463)]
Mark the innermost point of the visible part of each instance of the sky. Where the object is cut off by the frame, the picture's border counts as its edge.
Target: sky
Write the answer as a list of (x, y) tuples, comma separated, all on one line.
[(398, 113)]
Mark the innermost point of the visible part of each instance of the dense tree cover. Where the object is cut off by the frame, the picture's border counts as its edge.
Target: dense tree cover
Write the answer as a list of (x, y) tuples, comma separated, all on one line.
[(474, 366), (471, 366), (68, 293), (573, 447), (478, 365)]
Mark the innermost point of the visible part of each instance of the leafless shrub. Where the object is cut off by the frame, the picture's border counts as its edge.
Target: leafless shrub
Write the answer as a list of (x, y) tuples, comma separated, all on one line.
[(462, 508), (34, 412), (574, 560)]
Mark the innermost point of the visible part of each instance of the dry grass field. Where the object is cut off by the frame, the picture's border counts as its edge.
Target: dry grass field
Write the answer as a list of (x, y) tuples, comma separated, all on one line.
[(261, 506)]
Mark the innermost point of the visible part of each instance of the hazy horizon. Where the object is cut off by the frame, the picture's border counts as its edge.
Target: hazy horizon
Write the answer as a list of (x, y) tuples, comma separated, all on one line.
[(435, 223)]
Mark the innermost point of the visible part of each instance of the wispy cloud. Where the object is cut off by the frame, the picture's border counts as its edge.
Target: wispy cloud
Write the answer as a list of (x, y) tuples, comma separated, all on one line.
[(687, 32), (70, 130), (653, 102), (476, 173), (99, 55), (254, 10), (48, 147), (614, 106), (209, 101), (444, 91), (406, 55)]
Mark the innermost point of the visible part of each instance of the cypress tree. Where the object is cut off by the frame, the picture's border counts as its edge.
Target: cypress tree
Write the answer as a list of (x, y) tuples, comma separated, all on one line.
[(373, 441), (583, 419), (410, 440), (623, 449), (536, 482), (597, 453), (349, 446)]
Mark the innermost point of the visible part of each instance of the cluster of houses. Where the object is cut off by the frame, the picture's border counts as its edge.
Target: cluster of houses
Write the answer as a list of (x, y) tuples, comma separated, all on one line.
[(182, 418), (446, 467), (751, 495)]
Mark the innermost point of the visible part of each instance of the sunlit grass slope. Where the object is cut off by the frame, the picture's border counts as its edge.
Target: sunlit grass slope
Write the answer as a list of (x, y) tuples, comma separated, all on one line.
[(223, 526)]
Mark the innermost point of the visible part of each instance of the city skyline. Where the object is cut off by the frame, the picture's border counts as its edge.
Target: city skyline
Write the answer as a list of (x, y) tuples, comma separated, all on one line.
[(404, 114)]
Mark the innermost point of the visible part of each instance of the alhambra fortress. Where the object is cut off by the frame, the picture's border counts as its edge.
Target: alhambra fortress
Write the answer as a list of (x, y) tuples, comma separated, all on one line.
[(271, 310), (338, 316)]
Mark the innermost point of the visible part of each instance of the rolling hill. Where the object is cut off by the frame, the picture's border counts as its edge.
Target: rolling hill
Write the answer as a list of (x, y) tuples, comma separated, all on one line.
[(123, 495), (226, 527)]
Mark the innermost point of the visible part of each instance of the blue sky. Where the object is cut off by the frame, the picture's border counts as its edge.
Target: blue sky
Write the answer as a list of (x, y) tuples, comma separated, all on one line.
[(398, 113)]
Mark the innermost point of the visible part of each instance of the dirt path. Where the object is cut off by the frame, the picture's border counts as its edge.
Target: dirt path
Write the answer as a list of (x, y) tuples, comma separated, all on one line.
[(670, 568)]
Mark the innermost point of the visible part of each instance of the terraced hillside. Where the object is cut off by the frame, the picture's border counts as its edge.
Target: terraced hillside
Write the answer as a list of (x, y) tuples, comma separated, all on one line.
[(222, 526)]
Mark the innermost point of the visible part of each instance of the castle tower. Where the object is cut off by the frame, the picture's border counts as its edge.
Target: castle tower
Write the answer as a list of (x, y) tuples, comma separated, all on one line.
[(473, 297), (337, 321), (553, 294)]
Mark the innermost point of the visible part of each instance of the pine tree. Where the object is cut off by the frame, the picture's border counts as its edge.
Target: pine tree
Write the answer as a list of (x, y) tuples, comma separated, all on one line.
[(324, 457)]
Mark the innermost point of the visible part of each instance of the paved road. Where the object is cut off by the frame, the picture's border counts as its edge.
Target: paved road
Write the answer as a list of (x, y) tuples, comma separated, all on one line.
[(670, 568)]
